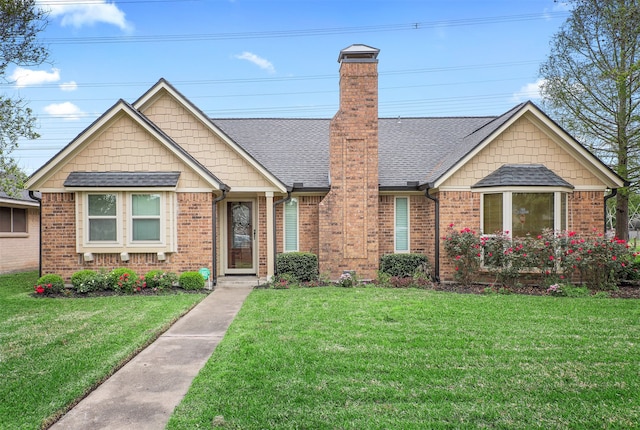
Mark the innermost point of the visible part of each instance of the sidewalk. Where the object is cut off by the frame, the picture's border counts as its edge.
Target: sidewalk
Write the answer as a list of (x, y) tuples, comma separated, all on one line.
[(144, 392)]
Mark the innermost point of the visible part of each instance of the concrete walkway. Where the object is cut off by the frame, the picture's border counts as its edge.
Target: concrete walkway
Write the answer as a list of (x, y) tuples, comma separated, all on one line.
[(144, 392)]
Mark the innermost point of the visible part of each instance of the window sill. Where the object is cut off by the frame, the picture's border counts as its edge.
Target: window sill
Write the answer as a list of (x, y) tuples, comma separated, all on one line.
[(14, 235)]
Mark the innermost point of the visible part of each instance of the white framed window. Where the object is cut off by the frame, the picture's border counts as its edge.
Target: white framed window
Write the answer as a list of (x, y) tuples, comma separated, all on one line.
[(523, 212), (290, 241), (401, 224), (146, 220), (102, 218), (13, 220)]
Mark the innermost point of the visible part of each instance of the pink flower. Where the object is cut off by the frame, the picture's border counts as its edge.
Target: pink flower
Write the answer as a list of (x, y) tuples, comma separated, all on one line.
[(551, 258), (39, 289)]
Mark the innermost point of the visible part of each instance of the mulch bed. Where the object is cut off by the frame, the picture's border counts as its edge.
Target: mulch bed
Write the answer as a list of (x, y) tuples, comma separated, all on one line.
[(623, 291)]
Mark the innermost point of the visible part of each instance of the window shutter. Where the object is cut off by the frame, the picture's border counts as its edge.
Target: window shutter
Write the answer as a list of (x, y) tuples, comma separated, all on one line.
[(402, 224), (291, 226)]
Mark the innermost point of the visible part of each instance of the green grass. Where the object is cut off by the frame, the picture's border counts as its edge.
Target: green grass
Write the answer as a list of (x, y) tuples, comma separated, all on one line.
[(331, 358), (53, 351)]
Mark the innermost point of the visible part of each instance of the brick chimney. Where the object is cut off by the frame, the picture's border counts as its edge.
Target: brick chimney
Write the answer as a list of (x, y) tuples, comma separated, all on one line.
[(348, 230)]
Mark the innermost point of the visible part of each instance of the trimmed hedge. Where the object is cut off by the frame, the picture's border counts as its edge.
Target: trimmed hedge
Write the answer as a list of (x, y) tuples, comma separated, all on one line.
[(404, 265), (302, 266), (191, 281)]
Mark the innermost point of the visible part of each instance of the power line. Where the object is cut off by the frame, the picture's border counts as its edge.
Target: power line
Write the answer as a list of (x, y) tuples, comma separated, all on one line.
[(413, 26)]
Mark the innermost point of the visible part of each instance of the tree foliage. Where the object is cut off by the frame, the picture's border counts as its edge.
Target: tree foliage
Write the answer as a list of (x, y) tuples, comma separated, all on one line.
[(21, 21), (591, 82)]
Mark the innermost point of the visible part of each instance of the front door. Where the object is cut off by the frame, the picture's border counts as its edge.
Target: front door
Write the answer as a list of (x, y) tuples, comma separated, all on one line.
[(240, 237)]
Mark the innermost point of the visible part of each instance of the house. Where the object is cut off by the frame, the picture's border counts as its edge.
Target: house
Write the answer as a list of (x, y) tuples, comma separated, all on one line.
[(159, 184), (19, 232)]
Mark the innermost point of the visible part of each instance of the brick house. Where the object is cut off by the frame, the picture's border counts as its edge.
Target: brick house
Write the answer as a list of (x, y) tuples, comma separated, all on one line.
[(19, 232), (158, 184)]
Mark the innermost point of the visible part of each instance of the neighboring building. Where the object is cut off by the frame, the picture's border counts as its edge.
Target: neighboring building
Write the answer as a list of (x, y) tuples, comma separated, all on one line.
[(158, 184), (19, 233)]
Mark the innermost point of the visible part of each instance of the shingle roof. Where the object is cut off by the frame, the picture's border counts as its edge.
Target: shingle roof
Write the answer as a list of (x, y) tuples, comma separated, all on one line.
[(122, 179), (410, 149), (522, 175), (23, 196)]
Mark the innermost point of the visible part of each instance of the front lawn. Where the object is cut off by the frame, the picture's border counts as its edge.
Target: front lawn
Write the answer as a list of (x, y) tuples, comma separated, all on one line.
[(53, 351), (371, 358)]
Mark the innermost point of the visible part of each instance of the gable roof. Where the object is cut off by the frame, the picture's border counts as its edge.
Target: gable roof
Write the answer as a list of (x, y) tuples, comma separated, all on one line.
[(22, 199), (121, 107), (422, 150), (524, 175)]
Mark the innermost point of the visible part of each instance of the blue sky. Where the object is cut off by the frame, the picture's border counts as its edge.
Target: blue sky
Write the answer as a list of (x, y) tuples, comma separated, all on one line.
[(278, 58)]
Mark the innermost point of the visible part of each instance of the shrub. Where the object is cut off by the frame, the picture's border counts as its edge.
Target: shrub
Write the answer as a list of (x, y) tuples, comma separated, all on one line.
[(86, 281), (49, 284), (160, 280), (303, 266), (404, 265), (464, 249), (347, 280), (191, 281), (124, 280), (283, 282)]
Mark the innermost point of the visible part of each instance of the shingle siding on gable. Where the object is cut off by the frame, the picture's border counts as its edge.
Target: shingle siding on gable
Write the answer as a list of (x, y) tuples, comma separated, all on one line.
[(523, 143), (124, 146), (203, 144)]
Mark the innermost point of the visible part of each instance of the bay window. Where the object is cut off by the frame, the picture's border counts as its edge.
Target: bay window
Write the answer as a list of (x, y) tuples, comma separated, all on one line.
[(521, 213)]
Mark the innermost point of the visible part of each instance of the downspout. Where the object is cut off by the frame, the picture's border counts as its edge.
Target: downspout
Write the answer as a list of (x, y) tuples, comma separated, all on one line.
[(275, 230), (214, 236), (39, 200), (614, 192), (436, 266)]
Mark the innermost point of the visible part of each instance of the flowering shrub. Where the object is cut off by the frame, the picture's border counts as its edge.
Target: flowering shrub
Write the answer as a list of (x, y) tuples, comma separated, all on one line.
[(48, 285), (464, 247), (593, 260), (346, 280), (130, 284), (159, 280), (86, 281)]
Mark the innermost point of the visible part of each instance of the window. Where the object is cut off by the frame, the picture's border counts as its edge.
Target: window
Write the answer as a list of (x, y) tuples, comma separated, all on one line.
[(13, 220), (145, 217), (102, 217), (402, 224), (291, 225), (523, 213)]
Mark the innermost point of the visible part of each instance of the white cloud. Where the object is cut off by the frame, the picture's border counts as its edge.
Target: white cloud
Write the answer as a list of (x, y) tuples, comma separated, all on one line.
[(25, 77), (530, 91), (67, 111), (69, 86), (258, 61), (85, 13)]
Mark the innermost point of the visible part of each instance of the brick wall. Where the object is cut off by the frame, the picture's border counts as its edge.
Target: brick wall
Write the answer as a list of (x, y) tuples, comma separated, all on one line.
[(421, 225), (348, 228), (586, 211), (461, 208), (59, 239)]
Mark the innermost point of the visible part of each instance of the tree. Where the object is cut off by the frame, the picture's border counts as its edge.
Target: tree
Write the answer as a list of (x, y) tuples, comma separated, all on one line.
[(591, 83), (20, 23)]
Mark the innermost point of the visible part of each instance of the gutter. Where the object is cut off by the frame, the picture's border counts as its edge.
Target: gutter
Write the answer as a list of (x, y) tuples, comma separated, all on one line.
[(275, 229), (33, 196), (614, 192), (214, 238), (436, 253)]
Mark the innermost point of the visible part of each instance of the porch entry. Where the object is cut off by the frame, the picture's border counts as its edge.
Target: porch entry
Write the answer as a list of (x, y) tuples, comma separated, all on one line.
[(241, 237)]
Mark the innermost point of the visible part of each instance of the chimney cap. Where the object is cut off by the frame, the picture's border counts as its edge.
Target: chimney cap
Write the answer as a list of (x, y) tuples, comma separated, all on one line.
[(358, 54)]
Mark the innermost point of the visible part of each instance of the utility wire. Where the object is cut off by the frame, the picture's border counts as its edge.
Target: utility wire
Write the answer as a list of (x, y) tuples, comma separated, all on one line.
[(412, 26)]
